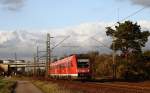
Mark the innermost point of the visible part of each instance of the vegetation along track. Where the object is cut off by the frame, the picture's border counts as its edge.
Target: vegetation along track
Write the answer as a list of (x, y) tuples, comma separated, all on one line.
[(92, 87)]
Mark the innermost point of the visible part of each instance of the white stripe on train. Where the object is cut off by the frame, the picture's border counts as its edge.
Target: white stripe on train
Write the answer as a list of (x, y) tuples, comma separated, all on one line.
[(64, 75)]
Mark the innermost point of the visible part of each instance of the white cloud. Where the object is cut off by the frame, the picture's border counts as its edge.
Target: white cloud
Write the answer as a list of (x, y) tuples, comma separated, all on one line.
[(145, 27), (24, 42)]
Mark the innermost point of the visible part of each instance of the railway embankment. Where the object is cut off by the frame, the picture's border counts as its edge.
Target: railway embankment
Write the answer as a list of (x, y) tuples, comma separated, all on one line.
[(51, 87), (66, 86)]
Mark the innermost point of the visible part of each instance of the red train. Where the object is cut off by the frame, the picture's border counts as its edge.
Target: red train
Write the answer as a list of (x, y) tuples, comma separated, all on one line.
[(71, 67)]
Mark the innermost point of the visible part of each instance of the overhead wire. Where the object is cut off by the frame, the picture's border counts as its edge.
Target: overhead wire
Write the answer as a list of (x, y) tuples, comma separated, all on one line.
[(134, 13)]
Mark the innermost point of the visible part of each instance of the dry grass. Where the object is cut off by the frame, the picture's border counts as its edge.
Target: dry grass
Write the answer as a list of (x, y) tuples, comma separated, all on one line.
[(54, 88)]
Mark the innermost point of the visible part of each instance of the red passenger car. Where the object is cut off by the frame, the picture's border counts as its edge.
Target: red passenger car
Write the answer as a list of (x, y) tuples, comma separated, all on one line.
[(72, 66)]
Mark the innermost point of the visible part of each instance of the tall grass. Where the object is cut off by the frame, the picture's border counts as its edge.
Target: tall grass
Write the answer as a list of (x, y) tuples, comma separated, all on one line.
[(6, 86)]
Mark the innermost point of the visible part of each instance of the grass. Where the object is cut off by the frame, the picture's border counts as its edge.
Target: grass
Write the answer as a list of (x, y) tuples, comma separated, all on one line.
[(49, 87), (6, 86)]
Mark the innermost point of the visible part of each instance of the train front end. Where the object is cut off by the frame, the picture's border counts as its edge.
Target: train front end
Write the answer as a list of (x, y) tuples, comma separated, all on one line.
[(83, 68)]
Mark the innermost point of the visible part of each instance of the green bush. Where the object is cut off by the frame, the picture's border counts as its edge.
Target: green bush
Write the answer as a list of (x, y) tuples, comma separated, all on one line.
[(6, 86)]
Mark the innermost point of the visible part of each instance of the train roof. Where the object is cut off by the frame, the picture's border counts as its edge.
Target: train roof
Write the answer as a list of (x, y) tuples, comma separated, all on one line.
[(78, 56), (62, 60)]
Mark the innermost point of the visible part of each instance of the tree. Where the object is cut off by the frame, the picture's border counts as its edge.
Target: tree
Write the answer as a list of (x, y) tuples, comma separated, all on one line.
[(147, 53), (92, 56), (129, 39)]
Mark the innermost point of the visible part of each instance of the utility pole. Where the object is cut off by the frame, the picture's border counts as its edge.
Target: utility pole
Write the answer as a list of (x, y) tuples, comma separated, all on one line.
[(15, 56), (114, 51), (34, 66), (48, 55), (37, 61), (48, 52), (114, 58), (16, 61)]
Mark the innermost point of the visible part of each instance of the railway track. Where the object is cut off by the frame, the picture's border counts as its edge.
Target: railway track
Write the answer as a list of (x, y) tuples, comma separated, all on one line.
[(93, 87), (96, 87), (116, 88)]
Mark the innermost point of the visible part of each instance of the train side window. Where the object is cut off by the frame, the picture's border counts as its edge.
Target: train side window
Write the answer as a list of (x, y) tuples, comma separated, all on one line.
[(65, 65), (70, 64), (62, 66)]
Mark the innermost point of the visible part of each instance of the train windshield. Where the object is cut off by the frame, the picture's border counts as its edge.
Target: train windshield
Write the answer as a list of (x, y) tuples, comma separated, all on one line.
[(83, 63)]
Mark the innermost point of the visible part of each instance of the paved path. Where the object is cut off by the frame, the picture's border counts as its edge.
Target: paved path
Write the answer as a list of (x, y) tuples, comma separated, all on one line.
[(26, 87)]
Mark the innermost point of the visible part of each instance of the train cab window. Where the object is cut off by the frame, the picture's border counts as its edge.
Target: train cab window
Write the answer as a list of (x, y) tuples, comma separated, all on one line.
[(83, 63)]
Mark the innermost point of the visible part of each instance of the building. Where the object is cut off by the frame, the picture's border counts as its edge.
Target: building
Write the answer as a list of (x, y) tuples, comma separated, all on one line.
[(12, 67)]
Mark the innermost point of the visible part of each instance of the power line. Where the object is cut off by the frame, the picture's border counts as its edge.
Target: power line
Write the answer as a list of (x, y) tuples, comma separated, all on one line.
[(100, 42), (61, 42), (134, 13)]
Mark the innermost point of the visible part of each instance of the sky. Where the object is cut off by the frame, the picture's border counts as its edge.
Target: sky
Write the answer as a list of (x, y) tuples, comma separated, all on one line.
[(41, 14), (24, 23)]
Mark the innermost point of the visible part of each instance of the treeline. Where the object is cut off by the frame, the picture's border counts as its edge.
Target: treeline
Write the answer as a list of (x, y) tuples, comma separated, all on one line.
[(131, 67), (130, 61)]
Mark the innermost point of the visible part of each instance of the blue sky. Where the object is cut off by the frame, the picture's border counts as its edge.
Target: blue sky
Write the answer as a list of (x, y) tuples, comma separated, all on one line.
[(43, 14), (25, 23)]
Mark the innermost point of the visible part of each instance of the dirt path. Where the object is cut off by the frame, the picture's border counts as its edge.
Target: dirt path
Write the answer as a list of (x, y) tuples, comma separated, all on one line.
[(26, 87)]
